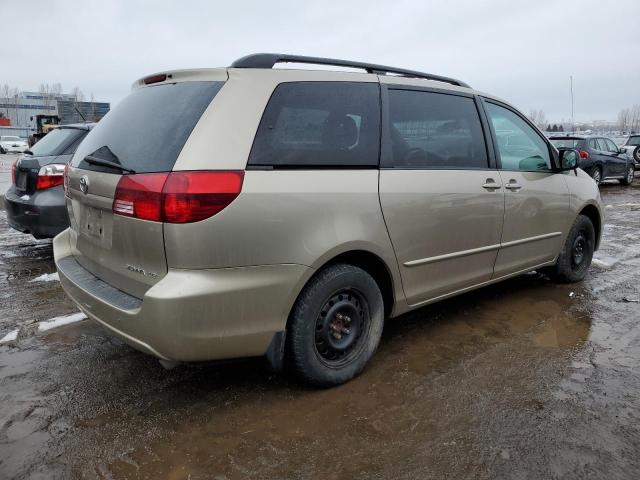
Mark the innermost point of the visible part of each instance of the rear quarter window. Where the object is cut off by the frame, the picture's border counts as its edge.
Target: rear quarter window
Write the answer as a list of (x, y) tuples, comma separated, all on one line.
[(319, 124), (146, 131)]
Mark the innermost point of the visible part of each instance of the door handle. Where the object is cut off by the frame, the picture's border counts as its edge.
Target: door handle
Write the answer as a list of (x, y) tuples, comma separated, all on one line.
[(513, 186), (490, 184)]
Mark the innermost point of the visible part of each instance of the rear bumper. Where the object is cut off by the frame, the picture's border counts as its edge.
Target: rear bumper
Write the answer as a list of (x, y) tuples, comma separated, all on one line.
[(190, 315), (43, 214)]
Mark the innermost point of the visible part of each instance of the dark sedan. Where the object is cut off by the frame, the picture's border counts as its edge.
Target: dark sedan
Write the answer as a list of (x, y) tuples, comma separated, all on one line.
[(35, 201), (600, 157)]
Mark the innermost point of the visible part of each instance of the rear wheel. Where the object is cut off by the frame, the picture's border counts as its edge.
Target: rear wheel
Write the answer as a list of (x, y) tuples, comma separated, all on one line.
[(335, 326), (596, 174), (628, 178), (577, 253), (636, 154)]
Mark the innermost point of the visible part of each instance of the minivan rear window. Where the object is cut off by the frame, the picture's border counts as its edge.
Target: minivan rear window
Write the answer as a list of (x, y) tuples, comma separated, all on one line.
[(146, 131)]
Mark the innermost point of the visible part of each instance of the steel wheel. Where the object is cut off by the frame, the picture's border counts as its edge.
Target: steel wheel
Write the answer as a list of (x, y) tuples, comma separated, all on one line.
[(340, 326), (596, 175), (578, 249), (630, 174)]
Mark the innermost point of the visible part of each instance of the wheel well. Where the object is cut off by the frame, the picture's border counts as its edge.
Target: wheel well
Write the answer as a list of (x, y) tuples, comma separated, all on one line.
[(592, 213), (374, 266)]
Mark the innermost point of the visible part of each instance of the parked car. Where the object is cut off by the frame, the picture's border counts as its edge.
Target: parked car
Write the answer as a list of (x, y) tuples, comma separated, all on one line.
[(249, 211), (632, 147), (600, 157), (9, 143), (35, 202)]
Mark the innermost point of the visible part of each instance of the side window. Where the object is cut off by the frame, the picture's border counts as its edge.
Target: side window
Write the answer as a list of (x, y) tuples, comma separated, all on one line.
[(319, 124), (594, 144), (519, 145), (611, 147), (435, 130)]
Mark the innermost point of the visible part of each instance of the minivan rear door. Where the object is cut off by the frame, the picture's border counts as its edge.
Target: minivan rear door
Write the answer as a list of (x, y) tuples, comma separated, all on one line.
[(143, 134), (442, 200)]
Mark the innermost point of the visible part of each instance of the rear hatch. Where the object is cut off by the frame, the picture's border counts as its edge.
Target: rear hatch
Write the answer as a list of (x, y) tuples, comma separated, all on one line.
[(54, 148), (141, 137)]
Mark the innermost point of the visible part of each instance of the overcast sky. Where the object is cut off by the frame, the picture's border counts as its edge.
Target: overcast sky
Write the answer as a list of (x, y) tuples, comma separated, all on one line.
[(522, 51)]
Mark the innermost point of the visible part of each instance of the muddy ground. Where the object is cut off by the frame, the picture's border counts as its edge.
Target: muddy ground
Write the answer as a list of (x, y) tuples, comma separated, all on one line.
[(525, 379)]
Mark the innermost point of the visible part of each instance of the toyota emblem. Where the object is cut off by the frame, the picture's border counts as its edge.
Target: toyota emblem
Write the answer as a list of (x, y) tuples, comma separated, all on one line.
[(84, 184)]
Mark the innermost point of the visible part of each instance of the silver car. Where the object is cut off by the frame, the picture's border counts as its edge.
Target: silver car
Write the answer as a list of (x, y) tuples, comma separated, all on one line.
[(250, 211)]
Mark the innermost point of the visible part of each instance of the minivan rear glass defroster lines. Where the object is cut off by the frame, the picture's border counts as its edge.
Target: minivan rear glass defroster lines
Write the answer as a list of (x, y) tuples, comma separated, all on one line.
[(146, 131)]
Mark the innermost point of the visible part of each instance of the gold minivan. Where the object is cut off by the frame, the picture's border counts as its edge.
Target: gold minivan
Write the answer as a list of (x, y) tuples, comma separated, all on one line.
[(252, 210)]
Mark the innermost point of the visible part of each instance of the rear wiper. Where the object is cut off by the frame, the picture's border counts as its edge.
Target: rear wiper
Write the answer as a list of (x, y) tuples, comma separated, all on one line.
[(106, 163)]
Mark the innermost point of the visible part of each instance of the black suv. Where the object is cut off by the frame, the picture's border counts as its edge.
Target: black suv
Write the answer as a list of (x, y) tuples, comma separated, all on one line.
[(35, 202), (600, 157)]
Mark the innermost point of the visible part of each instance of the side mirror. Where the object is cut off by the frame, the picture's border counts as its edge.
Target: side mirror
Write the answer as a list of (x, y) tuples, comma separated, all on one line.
[(568, 159), (622, 150)]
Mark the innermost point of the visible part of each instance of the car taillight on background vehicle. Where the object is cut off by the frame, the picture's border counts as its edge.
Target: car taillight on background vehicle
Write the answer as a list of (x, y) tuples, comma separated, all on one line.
[(176, 197), (584, 154), (50, 176)]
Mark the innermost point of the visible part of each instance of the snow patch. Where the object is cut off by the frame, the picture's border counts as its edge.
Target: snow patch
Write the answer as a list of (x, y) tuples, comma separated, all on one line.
[(606, 262), (10, 337), (46, 277), (60, 321)]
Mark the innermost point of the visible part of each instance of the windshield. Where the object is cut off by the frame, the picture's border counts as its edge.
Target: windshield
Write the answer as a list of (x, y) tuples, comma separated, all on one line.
[(11, 139), (565, 142), (147, 130), (634, 141), (55, 142)]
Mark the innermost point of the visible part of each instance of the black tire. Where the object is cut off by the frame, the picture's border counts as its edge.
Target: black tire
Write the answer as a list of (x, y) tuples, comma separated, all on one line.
[(628, 178), (596, 174), (636, 154), (2, 151), (335, 326), (577, 253)]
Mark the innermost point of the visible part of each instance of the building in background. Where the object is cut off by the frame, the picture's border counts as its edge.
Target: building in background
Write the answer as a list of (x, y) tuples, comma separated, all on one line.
[(22, 109)]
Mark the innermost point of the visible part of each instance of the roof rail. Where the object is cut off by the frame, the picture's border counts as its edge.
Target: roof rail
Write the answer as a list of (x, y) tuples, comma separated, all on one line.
[(268, 60)]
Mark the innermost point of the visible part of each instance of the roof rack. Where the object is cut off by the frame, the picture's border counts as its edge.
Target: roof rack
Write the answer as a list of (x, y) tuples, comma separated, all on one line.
[(268, 60)]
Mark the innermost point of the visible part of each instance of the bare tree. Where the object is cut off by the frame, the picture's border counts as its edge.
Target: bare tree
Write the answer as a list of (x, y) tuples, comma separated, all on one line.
[(634, 119), (539, 118), (623, 119), (5, 92), (78, 96)]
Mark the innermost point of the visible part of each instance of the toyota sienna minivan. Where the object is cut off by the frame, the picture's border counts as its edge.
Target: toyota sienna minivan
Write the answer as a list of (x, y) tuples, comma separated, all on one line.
[(260, 211)]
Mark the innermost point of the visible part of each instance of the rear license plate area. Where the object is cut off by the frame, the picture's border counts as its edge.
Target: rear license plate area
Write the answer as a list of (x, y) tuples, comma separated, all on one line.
[(92, 223)]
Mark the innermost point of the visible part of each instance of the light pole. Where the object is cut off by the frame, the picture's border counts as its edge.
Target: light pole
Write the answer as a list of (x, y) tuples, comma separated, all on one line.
[(573, 128)]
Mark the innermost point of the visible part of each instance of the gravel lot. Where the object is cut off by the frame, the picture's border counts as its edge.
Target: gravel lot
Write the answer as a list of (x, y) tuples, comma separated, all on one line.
[(524, 379)]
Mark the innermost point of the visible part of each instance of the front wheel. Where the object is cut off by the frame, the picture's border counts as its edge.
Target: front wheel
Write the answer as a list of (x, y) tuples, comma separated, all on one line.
[(628, 178), (577, 253), (335, 326), (596, 174)]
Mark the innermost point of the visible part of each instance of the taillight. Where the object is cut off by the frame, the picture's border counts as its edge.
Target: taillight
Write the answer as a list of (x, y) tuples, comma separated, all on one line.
[(584, 154), (50, 176), (176, 197)]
